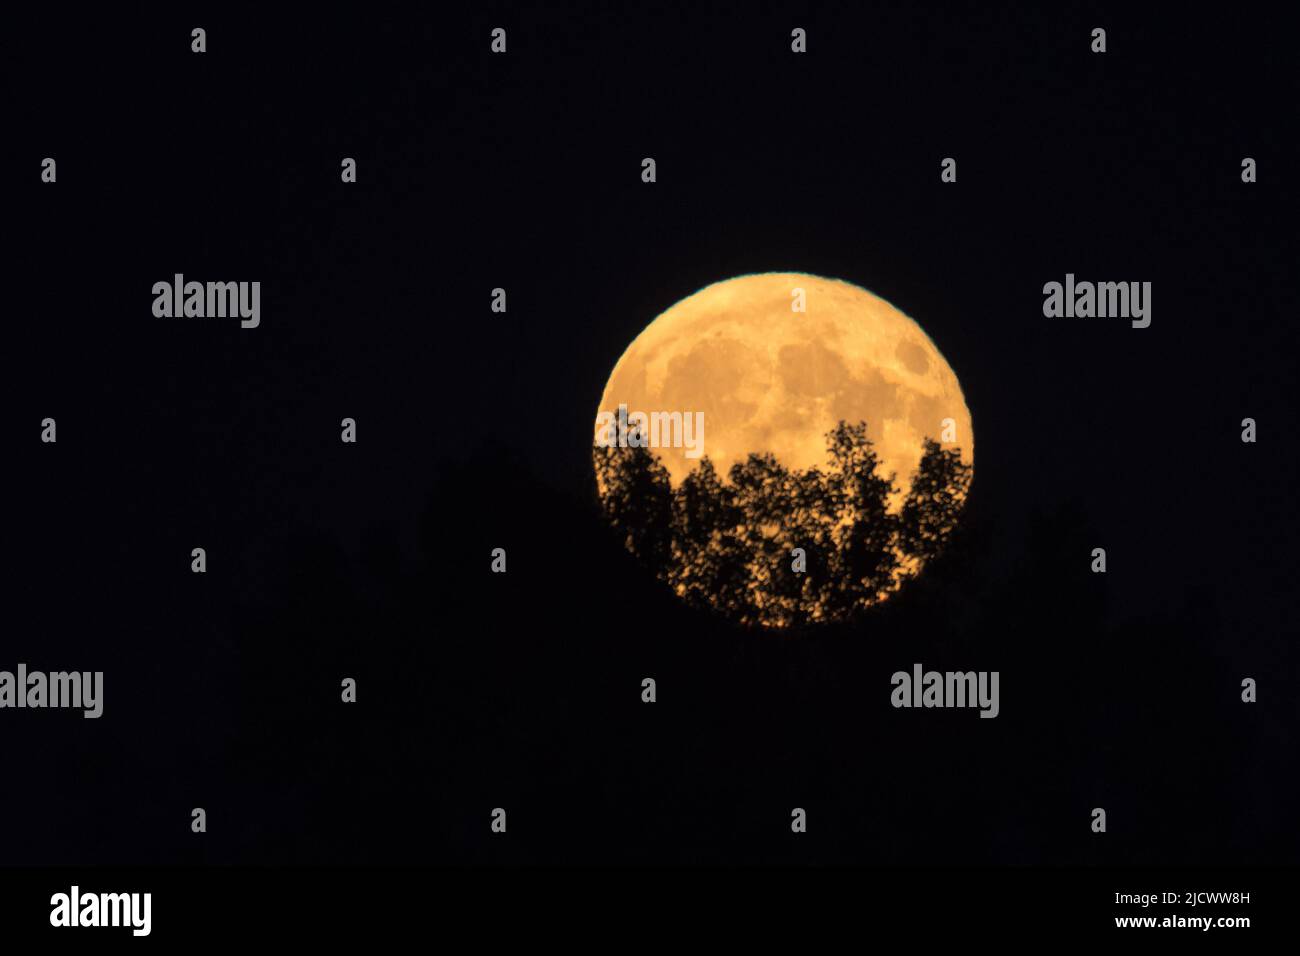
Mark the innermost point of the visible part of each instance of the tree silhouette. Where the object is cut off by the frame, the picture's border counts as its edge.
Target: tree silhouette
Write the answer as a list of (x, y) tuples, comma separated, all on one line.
[(934, 502), (728, 545), (640, 486)]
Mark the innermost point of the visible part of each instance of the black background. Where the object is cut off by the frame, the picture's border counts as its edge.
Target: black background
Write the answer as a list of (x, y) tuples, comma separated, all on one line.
[(522, 690)]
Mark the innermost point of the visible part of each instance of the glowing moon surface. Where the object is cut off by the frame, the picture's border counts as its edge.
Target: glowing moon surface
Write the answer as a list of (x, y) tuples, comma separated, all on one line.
[(770, 378)]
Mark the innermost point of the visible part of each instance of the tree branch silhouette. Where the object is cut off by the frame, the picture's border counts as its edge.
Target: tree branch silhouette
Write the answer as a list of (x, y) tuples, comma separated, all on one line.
[(727, 545)]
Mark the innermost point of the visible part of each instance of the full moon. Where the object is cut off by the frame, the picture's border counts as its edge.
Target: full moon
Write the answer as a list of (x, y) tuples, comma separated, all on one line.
[(768, 378), (784, 449)]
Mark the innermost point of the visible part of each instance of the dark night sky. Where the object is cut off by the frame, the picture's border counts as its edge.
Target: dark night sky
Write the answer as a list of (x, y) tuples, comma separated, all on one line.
[(522, 691)]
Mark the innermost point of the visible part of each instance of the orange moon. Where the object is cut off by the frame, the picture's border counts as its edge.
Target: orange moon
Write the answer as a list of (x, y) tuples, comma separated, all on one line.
[(770, 378)]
